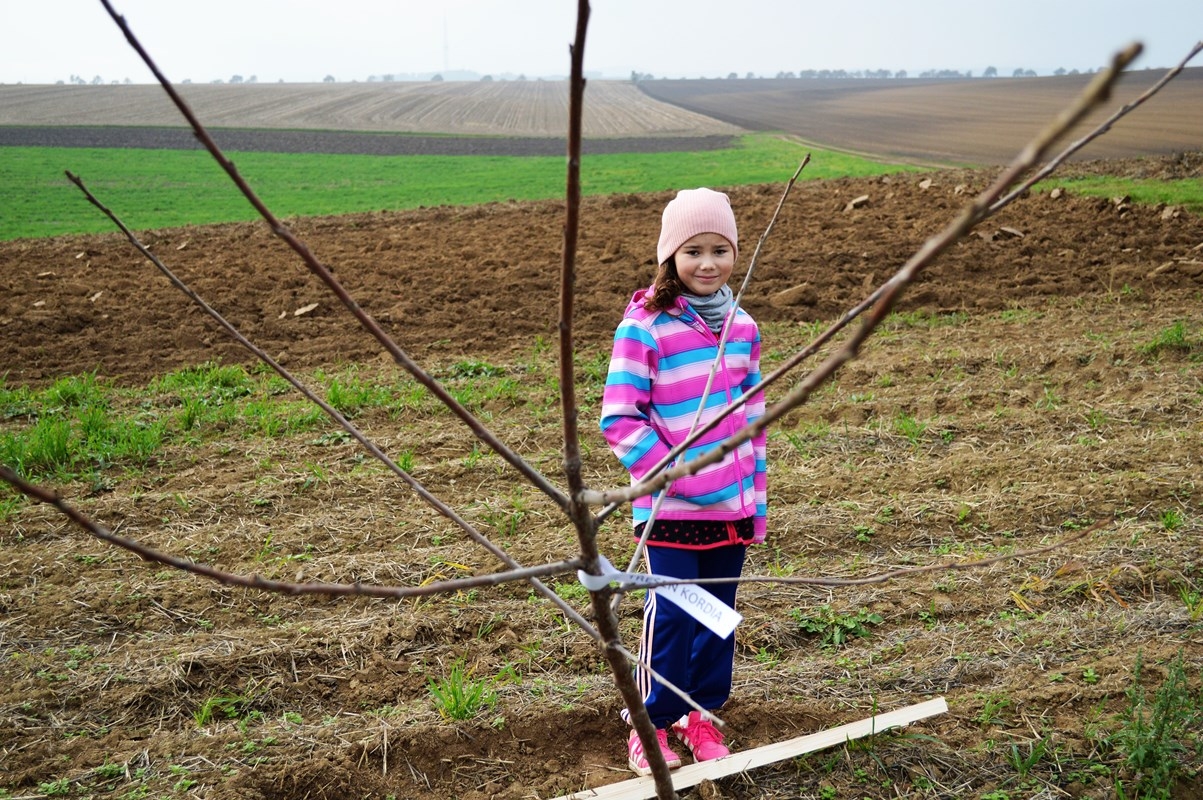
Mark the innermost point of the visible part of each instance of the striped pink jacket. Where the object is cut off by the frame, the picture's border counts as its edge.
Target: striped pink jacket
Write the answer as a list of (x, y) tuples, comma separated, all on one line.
[(658, 372)]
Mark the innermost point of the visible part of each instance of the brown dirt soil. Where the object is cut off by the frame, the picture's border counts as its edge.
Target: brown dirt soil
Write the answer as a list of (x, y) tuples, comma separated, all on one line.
[(1027, 388), (950, 122), (453, 282)]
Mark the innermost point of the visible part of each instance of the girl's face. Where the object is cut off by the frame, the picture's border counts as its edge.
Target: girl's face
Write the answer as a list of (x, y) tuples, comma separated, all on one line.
[(704, 263)]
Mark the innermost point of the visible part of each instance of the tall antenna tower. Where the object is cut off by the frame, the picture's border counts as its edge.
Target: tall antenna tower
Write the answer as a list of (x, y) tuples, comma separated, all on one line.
[(446, 60)]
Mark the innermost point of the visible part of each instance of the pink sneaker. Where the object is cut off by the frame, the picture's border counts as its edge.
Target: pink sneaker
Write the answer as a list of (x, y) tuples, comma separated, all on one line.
[(701, 737), (638, 760)]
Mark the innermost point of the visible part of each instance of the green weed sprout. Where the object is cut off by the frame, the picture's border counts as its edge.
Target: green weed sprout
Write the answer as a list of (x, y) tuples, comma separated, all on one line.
[(459, 697)]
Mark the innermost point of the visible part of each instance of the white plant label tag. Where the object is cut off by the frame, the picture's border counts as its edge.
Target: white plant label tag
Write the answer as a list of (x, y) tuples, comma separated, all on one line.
[(696, 601)]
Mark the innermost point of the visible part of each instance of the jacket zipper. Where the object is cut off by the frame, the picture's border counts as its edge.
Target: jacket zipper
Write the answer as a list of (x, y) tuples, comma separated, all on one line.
[(736, 461)]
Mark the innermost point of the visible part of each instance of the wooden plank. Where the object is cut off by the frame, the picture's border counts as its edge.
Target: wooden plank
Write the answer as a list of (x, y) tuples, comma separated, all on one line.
[(644, 787)]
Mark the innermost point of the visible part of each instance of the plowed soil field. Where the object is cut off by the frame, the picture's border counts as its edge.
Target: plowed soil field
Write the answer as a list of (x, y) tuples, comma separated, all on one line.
[(948, 122), (1043, 376), (933, 122), (492, 108)]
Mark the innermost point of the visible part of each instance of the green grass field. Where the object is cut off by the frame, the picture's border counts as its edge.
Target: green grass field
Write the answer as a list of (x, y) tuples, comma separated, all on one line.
[(1187, 192), (151, 189), (163, 188)]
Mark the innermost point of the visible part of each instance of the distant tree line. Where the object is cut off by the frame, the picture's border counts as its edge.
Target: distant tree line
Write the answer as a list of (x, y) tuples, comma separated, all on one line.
[(859, 74), (437, 77), (79, 80)]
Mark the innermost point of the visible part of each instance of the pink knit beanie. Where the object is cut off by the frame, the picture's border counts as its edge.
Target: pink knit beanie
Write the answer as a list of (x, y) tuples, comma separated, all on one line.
[(695, 211)]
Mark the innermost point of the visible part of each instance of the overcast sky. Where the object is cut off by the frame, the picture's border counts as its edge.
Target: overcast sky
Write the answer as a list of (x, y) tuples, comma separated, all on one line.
[(45, 41)]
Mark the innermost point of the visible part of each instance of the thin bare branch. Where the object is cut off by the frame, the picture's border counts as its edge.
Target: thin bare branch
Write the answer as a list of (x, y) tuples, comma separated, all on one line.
[(1074, 147), (697, 433), (333, 413), (613, 648), (789, 185), (995, 207), (887, 294), (530, 574), (883, 577), (1094, 94), (309, 394), (681, 693), (366, 320), (326, 276), (586, 527), (694, 432), (572, 217), (282, 587), (848, 316)]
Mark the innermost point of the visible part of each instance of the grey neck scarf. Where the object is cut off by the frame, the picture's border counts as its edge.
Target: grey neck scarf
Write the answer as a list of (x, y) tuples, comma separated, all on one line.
[(712, 308)]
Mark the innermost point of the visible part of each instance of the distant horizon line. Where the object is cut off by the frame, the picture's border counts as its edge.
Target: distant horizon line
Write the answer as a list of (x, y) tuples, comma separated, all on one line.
[(471, 76)]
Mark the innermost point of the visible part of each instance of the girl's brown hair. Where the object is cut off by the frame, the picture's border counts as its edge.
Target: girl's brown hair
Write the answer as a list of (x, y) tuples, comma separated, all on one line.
[(666, 288)]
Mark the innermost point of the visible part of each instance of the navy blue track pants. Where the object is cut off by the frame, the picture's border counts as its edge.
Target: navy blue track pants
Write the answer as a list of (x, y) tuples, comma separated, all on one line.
[(679, 647)]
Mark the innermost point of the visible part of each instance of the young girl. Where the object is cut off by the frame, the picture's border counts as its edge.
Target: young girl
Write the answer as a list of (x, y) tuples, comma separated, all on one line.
[(664, 350)]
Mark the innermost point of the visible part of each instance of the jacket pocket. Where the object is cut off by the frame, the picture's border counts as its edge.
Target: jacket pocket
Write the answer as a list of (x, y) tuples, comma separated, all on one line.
[(712, 485)]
